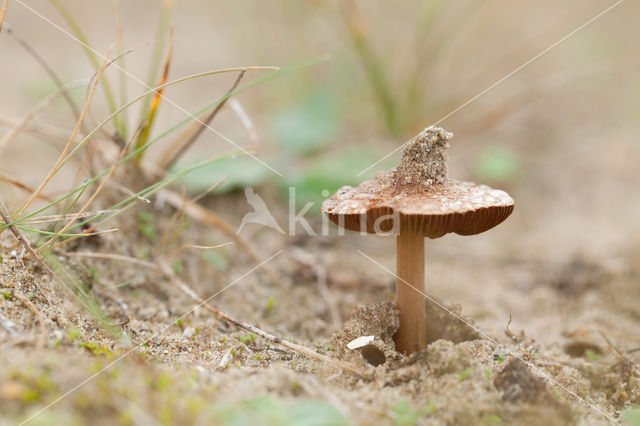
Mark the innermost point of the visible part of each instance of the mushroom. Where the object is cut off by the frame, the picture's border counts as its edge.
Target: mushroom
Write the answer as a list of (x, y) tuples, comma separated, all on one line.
[(415, 200)]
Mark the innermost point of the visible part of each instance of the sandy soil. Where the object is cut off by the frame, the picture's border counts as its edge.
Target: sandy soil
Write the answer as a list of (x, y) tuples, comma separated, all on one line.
[(534, 322), (567, 365)]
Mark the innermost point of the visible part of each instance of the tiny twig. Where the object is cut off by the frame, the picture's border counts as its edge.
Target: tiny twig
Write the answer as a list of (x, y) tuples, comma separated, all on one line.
[(172, 230), (29, 304), (203, 215), (111, 256), (166, 269), (60, 217), (26, 244), (510, 334), (50, 72), (611, 345), (23, 186), (226, 359), (306, 259), (7, 326), (195, 246), (45, 103), (3, 12), (45, 132)]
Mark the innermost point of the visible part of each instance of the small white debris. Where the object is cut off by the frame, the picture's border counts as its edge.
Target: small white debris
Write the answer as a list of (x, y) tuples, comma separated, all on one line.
[(360, 342), (226, 359), (188, 332)]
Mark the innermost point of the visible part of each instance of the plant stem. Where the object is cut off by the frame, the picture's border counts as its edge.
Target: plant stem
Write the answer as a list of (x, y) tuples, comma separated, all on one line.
[(412, 335)]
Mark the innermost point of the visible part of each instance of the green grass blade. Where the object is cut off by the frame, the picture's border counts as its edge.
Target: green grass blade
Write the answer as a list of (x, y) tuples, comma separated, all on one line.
[(79, 290), (167, 132), (127, 203), (106, 86), (137, 99), (156, 58)]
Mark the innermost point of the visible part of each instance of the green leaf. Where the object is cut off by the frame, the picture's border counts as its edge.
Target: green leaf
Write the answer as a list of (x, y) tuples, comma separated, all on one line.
[(218, 258), (405, 415), (329, 174), (309, 126), (241, 172), (497, 163), (265, 411), (631, 416), (314, 413)]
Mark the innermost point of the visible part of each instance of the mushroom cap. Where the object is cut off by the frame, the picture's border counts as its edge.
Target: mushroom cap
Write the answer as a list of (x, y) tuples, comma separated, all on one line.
[(381, 205)]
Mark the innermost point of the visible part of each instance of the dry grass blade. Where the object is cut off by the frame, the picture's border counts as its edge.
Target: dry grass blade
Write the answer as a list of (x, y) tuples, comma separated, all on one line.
[(155, 90), (49, 70), (350, 368), (148, 121), (61, 275), (75, 28), (109, 256), (126, 204), (189, 136), (6, 139), (4, 213), (309, 260), (245, 120), (3, 12), (22, 186), (373, 66), (156, 58), (66, 149), (29, 304), (195, 246), (95, 194), (45, 132), (61, 217), (173, 228), (122, 76)]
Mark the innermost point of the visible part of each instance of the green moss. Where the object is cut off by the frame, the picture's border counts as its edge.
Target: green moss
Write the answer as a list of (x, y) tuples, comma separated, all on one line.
[(163, 381), (30, 395), (591, 355), (146, 226), (247, 339), (465, 374), (178, 267), (96, 349), (432, 406), (73, 333), (490, 419), (271, 303), (405, 415)]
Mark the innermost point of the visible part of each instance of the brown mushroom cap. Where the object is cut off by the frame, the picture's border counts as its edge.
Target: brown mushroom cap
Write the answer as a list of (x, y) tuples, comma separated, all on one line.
[(418, 197)]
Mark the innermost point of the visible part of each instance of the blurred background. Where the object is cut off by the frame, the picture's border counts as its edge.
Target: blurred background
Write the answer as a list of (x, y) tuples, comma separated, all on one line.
[(561, 135)]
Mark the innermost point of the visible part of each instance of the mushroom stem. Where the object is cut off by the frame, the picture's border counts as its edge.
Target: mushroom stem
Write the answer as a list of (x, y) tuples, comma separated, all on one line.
[(412, 334)]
